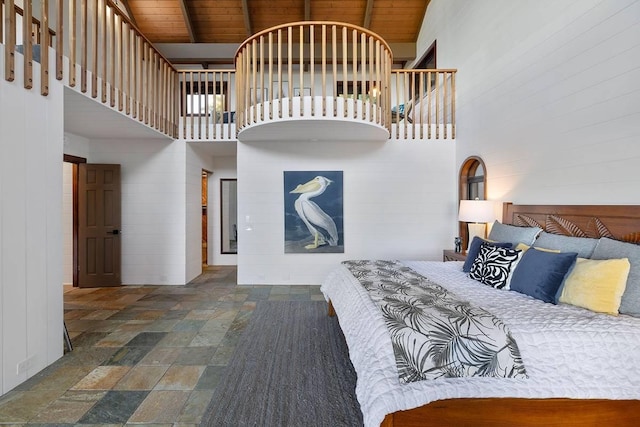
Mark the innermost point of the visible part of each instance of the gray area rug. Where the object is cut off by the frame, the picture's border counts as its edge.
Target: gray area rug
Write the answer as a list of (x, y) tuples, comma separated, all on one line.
[(290, 368)]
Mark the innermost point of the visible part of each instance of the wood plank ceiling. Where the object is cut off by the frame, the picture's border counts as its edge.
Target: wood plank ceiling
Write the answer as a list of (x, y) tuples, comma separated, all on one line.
[(232, 21)]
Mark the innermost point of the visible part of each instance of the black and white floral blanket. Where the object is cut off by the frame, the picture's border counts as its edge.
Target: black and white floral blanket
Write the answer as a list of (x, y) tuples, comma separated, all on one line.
[(434, 333)]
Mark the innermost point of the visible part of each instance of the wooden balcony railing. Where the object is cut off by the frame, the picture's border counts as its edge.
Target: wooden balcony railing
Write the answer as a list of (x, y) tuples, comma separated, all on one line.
[(423, 104), (112, 59), (35, 26), (343, 71), (208, 110), (207, 105), (299, 70)]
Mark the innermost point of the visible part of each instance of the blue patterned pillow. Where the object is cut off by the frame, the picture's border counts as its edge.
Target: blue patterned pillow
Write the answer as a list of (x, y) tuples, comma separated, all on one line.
[(474, 250), (493, 265)]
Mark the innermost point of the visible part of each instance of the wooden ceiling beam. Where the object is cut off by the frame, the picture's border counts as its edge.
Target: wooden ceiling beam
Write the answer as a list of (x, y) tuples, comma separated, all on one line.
[(367, 14), (187, 20), (247, 18), (307, 10)]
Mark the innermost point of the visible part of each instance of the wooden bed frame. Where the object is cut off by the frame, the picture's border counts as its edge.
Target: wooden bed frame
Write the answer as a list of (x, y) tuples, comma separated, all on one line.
[(621, 222)]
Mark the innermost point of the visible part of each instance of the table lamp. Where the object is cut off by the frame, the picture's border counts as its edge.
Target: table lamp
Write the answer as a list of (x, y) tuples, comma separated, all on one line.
[(476, 213)]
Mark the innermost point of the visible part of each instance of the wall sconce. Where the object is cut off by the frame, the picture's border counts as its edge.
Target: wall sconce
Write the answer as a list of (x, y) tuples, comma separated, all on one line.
[(476, 213)]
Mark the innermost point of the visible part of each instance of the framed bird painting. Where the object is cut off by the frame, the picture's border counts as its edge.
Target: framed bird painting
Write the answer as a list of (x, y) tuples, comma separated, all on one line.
[(313, 212)]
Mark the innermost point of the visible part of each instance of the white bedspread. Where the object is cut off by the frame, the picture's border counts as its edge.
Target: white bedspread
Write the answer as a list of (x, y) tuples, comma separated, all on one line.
[(567, 351)]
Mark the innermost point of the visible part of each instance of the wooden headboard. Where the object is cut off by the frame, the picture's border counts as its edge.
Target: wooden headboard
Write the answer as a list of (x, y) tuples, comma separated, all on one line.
[(620, 222)]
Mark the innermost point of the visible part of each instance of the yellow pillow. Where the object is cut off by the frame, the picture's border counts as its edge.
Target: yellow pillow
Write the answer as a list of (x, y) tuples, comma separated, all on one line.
[(596, 284), (522, 247)]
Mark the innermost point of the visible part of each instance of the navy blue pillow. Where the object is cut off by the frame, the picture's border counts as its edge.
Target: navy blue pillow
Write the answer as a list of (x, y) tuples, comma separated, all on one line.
[(474, 250), (539, 274)]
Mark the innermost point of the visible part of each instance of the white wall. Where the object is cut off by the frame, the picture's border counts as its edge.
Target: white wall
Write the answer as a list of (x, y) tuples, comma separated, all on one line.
[(548, 94), (399, 202), (153, 181), (76, 145), (31, 310)]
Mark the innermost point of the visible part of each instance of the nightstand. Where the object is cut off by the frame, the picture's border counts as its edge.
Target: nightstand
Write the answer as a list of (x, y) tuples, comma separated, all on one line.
[(451, 255)]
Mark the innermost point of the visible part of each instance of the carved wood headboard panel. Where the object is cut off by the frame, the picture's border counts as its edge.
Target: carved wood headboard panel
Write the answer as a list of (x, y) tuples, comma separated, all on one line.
[(620, 222)]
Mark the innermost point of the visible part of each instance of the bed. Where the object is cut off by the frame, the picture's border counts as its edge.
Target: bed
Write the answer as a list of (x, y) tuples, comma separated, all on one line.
[(582, 366)]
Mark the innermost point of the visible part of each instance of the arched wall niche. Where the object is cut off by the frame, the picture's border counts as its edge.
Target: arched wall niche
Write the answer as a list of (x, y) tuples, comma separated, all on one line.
[(472, 184)]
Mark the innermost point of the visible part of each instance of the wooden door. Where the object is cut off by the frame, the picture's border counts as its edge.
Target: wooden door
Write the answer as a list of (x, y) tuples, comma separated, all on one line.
[(98, 225)]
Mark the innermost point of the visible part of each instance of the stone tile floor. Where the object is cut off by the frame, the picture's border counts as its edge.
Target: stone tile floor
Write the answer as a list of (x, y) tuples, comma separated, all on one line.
[(143, 355)]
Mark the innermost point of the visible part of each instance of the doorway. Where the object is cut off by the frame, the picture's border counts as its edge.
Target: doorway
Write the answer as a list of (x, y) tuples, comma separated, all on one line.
[(91, 223), (205, 217), (70, 218)]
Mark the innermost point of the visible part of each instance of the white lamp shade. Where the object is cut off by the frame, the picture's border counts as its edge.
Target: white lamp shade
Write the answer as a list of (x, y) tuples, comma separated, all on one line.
[(476, 211)]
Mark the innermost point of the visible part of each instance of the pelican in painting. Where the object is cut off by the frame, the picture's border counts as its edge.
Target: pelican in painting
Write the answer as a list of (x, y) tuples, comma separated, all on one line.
[(320, 225)]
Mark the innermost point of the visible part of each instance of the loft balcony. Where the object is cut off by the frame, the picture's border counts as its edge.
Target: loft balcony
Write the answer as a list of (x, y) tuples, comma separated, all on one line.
[(330, 80), (209, 109), (298, 81), (313, 80), (94, 50)]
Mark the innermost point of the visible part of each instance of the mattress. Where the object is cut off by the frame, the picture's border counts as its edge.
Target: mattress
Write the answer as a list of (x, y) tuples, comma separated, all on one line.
[(569, 352)]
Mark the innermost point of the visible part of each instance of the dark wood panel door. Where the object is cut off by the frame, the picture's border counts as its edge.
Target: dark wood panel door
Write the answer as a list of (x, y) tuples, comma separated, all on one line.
[(99, 225)]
